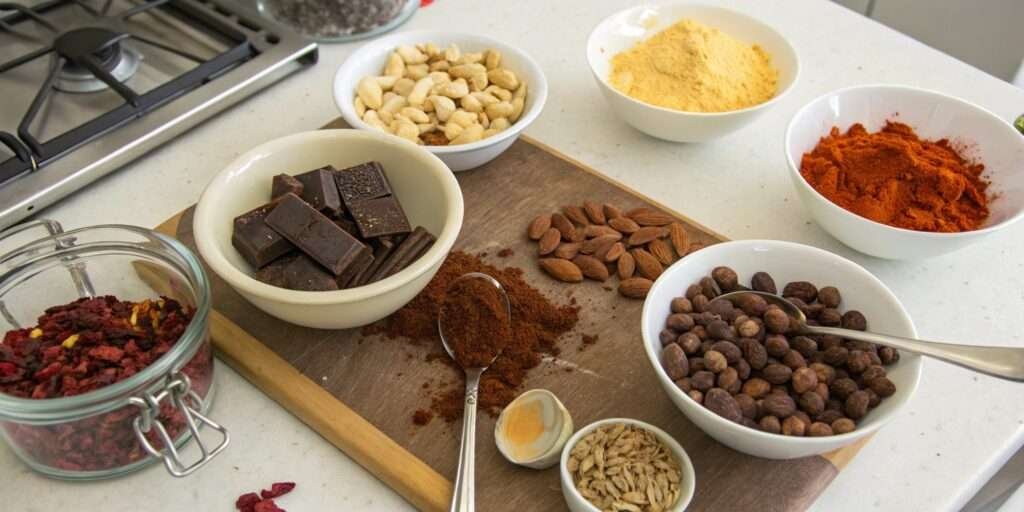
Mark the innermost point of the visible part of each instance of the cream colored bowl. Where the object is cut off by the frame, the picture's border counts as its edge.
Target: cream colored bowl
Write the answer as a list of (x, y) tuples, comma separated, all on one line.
[(426, 188), (624, 29)]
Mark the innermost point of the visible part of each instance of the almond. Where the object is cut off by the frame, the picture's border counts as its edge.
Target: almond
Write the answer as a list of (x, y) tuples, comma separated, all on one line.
[(594, 231), (647, 265), (591, 267), (612, 212), (575, 214), (563, 270), (596, 244), (650, 217), (614, 252), (677, 234), (644, 235), (661, 250), (538, 227), (562, 224), (626, 266), (576, 235), (635, 287), (567, 251), (594, 212), (548, 241), (624, 225)]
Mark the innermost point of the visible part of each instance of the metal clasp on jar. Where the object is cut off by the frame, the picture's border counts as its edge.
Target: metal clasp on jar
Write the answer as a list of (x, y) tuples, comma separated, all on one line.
[(179, 390)]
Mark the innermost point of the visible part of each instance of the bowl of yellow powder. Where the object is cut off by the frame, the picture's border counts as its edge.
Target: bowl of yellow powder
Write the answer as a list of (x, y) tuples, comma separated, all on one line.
[(689, 72)]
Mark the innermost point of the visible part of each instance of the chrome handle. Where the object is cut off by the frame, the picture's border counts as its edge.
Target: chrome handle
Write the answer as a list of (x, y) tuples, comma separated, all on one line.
[(463, 500), (1002, 362), (179, 390)]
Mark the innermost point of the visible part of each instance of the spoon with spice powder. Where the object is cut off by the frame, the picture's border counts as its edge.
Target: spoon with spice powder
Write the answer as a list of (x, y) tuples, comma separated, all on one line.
[(475, 324)]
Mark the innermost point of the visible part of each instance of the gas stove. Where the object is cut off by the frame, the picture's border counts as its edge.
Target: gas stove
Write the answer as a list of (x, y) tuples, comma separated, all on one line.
[(89, 85)]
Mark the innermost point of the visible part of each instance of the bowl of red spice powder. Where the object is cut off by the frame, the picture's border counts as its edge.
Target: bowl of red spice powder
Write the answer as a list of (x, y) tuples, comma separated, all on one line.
[(899, 172)]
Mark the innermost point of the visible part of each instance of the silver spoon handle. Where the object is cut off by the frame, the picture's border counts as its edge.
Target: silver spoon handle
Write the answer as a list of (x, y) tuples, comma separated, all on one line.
[(1002, 362), (463, 499)]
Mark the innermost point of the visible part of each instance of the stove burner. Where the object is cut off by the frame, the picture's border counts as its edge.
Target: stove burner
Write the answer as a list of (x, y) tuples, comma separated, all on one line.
[(86, 50)]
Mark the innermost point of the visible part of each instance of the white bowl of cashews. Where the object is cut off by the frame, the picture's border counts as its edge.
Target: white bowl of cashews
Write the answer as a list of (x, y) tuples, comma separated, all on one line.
[(401, 85)]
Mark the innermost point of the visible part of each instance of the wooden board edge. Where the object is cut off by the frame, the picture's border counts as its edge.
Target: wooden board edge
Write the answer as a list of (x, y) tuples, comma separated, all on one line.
[(841, 457), (360, 440), (623, 186)]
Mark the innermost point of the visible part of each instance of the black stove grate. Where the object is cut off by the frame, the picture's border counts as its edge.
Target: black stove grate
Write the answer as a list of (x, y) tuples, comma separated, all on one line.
[(93, 46)]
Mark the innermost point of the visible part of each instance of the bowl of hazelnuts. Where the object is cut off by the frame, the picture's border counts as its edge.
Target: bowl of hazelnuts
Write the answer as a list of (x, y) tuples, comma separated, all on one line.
[(741, 369)]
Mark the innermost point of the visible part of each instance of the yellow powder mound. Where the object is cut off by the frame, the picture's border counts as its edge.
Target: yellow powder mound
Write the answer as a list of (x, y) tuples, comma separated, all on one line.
[(695, 68)]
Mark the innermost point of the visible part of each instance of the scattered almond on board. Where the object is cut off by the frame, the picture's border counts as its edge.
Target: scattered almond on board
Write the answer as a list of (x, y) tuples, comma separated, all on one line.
[(598, 241)]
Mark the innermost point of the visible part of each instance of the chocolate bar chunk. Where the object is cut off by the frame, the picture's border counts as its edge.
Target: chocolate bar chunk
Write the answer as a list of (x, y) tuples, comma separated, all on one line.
[(320, 191), (362, 182), (283, 184), (273, 272), (255, 240), (316, 235), (304, 274), (382, 248), (381, 216), (346, 224), (404, 254), (354, 269)]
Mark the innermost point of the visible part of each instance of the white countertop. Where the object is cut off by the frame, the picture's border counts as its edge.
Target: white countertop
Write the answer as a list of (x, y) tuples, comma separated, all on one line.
[(952, 436)]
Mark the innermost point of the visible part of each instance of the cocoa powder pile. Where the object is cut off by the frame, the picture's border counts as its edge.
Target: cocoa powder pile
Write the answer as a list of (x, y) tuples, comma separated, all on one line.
[(476, 322), (537, 325)]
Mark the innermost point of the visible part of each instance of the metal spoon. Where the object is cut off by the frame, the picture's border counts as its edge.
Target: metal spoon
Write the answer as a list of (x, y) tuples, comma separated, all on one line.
[(1003, 362), (462, 500)]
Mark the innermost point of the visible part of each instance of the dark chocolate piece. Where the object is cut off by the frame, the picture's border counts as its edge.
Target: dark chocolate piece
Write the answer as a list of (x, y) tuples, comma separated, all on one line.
[(320, 191), (255, 240), (404, 254), (362, 182), (347, 224), (273, 272), (304, 274), (353, 270), (316, 235), (381, 216), (283, 184), (382, 248)]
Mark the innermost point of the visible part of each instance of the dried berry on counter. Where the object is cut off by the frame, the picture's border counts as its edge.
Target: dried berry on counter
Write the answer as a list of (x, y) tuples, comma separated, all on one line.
[(84, 346), (597, 242), (536, 330), (743, 361), (264, 501)]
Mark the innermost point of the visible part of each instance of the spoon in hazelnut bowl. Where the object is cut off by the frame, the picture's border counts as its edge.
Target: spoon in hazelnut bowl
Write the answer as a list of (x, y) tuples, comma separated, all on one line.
[(475, 324), (1002, 362)]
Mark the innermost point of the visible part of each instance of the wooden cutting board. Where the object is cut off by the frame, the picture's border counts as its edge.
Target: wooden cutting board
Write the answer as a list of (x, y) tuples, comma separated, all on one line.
[(359, 392)]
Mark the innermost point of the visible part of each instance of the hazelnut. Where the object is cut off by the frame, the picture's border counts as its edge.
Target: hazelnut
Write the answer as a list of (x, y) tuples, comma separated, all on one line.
[(728, 349), (726, 278), (778, 404), (667, 336), (857, 362), (812, 403), (803, 380), (793, 426), (822, 390), (776, 345), (770, 424), (700, 332), (836, 356), (794, 360), (802, 290), (684, 384), (696, 364), (819, 429), (873, 398), (806, 346), (752, 305), (828, 416), (856, 405), (763, 282), (776, 320), (742, 369), (873, 372), (679, 322), (754, 353), (825, 372), (748, 329), (700, 303), (689, 341), (715, 361), (843, 426), (681, 305), (777, 373), (696, 396), (888, 355), (729, 380), (709, 288), (827, 341), (829, 317), (882, 386), (673, 360), (855, 320), (756, 387), (702, 380), (843, 388), (720, 402), (720, 330), (692, 291), (721, 308), (829, 297), (748, 407)]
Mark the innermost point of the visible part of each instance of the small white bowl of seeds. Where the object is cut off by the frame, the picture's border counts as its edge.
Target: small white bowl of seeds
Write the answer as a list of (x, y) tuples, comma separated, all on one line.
[(625, 464), (463, 97)]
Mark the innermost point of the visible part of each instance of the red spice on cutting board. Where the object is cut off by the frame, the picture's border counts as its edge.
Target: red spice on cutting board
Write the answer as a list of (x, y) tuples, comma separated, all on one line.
[(476, 322), (537, 325)]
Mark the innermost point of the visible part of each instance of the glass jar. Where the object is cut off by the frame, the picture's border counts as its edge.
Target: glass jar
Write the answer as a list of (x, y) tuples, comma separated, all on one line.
[(137, 421), (339, 21)]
